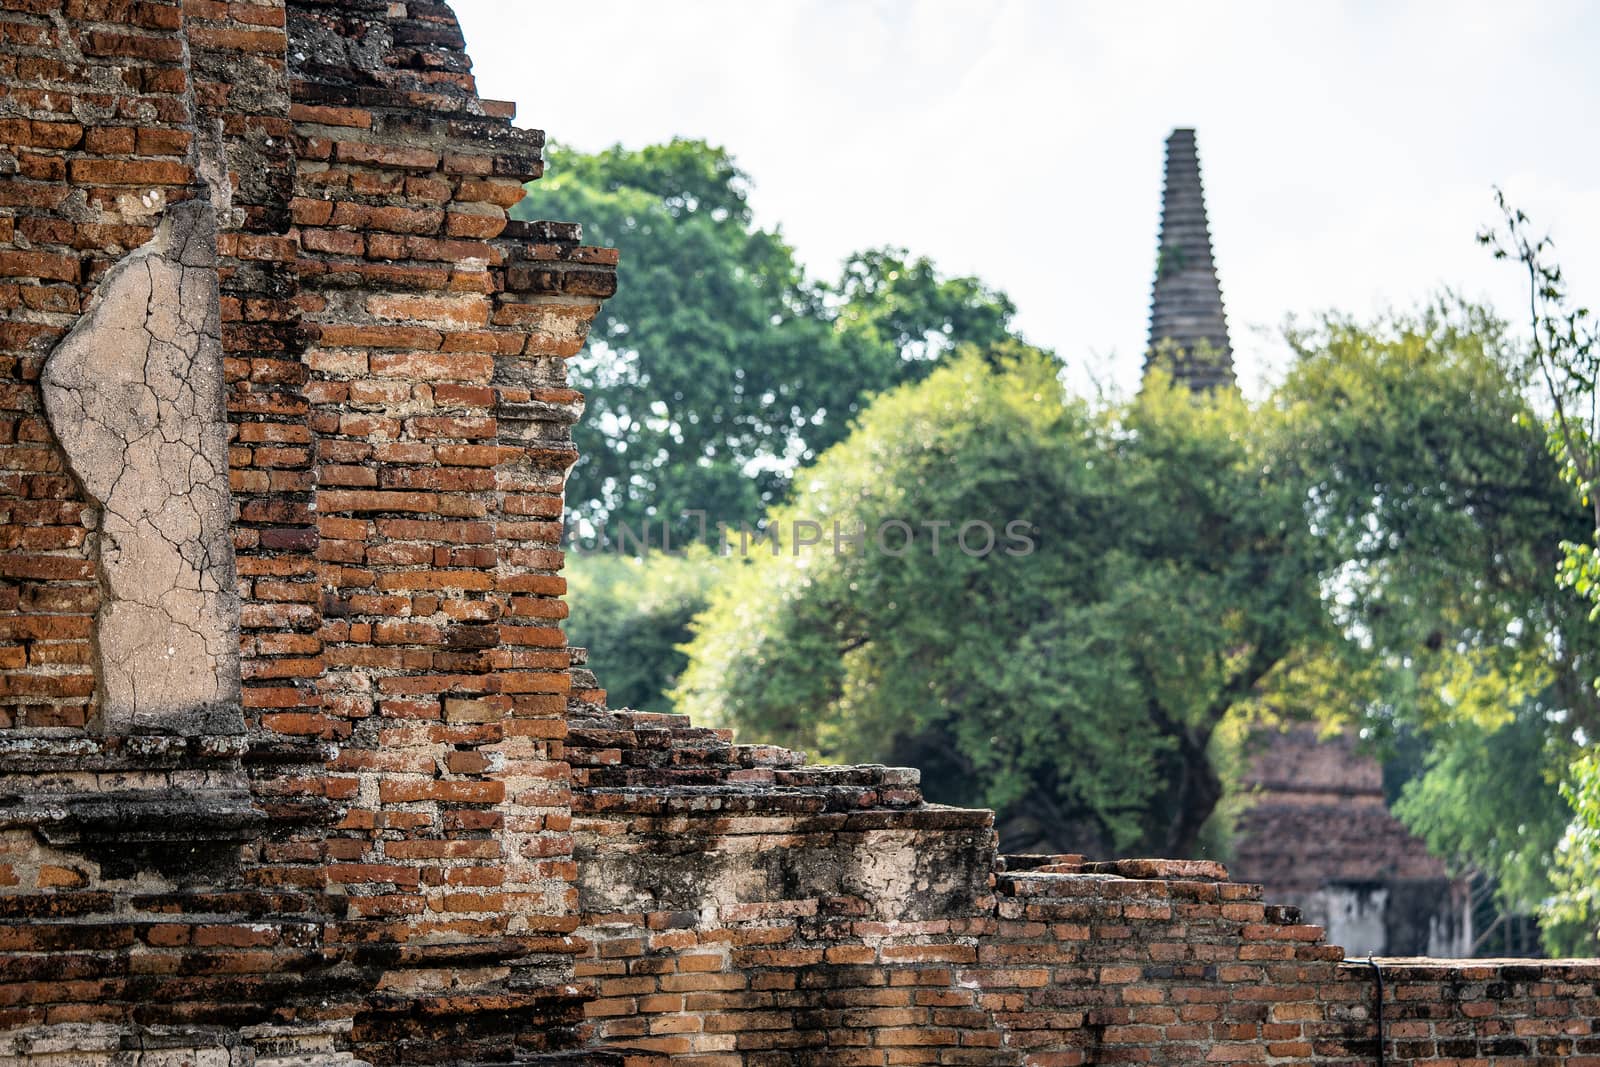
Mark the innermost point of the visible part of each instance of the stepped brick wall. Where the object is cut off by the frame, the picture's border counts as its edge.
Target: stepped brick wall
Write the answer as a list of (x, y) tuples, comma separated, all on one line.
[(408, 830), (744, 909)]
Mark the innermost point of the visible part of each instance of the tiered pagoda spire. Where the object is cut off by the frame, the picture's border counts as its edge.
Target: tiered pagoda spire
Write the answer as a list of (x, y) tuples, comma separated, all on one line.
[(1188, 328)]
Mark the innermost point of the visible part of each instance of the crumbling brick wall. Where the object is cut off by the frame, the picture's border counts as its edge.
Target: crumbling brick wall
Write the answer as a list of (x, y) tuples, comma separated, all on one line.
[(418, 836), (1464, 1012), (381, 860), (744, 909)]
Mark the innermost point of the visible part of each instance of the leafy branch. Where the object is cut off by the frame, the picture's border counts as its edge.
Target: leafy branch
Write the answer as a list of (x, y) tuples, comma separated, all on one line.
[(1566, 356)]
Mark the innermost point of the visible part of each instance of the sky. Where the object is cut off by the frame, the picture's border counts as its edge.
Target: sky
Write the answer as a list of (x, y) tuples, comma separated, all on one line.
[(1349, 151)]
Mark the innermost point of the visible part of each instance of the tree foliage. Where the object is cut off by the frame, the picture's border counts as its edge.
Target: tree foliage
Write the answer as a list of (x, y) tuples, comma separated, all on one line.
[(1428, 483), (1489, 799), (698, 366), (1429, 477), (633, 615), (1373, 544), (719, 366), (1077, 685), (1564, 358), (1571, 916)]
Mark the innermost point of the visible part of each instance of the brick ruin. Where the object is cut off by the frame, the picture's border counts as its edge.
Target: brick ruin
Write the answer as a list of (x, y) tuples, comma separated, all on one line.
[(396, 823), (1188, 325), (1318, 834)]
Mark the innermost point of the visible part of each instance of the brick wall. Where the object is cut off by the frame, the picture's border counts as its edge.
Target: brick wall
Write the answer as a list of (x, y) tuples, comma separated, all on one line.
[(97, 131), (433, 843), (440, 672), (383, 862), (746, 910), (1464, 1012), (1318, 834)]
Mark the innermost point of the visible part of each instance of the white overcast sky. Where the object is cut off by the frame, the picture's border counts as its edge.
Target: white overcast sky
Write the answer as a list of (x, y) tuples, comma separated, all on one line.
[(1348, 149)]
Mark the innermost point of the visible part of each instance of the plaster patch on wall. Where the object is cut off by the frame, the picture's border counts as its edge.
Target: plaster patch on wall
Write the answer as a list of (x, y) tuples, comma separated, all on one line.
[(886, 873), (135, 396)]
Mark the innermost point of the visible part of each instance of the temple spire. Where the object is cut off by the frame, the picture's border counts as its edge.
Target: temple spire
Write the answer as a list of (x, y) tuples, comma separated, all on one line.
[(1188, 328)]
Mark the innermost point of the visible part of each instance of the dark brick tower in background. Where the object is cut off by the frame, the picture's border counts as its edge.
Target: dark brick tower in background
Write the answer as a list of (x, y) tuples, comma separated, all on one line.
[(1317, 832), (1188, 328)]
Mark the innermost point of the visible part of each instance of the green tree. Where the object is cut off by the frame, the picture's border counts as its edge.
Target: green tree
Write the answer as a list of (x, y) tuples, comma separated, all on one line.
[(1372, 545), (696, 371), (1074, 680), (1488, 799), (896, 317), (719, 367), (1428, 482), (1564, 358), (1429, 479), (1571, 916), (634, 614)]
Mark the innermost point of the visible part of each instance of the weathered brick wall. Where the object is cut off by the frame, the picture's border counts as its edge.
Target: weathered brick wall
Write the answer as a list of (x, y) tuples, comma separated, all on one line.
[(746, 910), (1492, 1012), (737, 900), (383, 861), (97, 130), (439, 414), (432, 843)]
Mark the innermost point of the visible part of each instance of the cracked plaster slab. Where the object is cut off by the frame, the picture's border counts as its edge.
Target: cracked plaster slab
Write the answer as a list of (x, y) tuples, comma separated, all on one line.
[(134, 393)]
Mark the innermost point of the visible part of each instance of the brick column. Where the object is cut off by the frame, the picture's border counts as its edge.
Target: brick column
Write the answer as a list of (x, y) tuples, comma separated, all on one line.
[(435, 378), (551, 290), (239, 55)]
